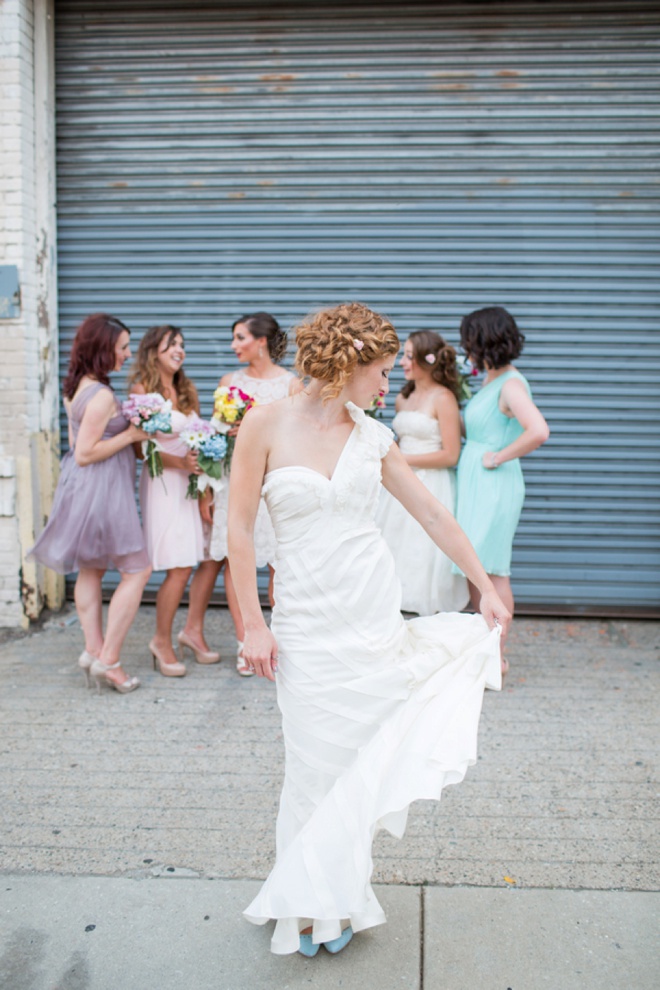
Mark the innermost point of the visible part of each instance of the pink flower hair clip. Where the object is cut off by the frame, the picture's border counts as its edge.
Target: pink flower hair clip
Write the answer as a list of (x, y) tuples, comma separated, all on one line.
[(358, 344), (430, 358)]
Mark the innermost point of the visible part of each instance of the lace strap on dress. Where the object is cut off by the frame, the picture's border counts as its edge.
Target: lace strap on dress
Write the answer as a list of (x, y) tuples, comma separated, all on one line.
[(377, 433)]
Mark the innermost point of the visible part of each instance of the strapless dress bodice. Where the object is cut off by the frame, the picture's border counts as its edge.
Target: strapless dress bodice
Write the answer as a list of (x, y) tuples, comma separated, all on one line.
[(417, 432), (171, 443)]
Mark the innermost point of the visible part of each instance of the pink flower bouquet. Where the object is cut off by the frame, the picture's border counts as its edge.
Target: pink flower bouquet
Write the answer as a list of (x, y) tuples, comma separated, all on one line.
[(152, 413), (202, 437), (376, 408)]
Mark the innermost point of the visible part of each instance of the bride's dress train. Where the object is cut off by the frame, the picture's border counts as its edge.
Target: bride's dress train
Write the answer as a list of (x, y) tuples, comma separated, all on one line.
[(377, 712)]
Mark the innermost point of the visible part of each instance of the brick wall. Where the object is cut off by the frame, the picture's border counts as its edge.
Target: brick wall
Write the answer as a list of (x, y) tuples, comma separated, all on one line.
[(29, 439)]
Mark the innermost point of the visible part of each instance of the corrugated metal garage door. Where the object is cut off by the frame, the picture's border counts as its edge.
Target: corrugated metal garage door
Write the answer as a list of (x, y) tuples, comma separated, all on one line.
[(426, 158)]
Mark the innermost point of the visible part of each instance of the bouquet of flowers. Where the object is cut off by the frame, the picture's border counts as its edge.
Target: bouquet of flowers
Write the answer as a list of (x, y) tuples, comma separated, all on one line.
[(376, 408), (152, 413), (466, 372), (211, 447), (230, 405)]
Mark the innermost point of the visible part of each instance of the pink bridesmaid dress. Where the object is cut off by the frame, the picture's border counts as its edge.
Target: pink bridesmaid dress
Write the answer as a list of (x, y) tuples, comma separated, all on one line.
[(172, 523)]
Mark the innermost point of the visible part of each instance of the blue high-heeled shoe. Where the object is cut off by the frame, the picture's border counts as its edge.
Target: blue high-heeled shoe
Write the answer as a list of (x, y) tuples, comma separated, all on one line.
[(337, 944), (307, 947)]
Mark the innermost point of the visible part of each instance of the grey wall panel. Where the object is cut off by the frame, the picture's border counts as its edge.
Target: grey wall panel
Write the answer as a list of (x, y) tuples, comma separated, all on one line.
[(427, 158)]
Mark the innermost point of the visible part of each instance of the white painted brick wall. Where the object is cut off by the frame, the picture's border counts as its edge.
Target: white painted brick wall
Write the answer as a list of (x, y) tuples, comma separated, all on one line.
[(22, 399)]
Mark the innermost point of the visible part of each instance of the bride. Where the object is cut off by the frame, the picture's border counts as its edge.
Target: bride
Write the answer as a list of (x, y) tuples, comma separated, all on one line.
[(377, 712)]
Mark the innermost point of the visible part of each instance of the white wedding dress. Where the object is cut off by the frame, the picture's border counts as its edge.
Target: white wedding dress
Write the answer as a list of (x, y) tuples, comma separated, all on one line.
[(377, 712)]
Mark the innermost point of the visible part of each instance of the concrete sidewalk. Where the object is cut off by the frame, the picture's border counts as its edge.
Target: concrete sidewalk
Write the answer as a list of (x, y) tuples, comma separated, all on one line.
[(150, 817), (98, 933)]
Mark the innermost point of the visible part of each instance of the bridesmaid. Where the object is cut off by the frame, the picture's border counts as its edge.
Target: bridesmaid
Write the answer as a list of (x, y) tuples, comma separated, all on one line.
[(172, 522), (502, 424), (88, 531), (260, 343), (428, 427)]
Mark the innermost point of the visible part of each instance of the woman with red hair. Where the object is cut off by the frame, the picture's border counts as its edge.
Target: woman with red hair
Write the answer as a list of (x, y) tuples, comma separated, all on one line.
[(94, 524)]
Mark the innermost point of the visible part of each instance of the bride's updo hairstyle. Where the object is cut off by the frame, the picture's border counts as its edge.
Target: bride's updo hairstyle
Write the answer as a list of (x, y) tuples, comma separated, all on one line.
[(332, 344), (432, 351)]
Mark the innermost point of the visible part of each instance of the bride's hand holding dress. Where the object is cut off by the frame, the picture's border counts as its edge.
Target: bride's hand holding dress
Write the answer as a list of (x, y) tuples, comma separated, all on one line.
[(401, 482)]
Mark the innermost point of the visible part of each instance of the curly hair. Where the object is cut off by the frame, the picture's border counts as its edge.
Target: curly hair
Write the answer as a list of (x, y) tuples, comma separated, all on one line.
[(263, 325), (145, 370), (327, 344), (93, 351), (443, 369), (491, 337)]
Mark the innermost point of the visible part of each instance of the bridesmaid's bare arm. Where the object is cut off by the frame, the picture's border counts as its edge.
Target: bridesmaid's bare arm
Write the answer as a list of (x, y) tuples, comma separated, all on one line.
[(90, 445), (516, 403), (187, 463), (448, 415)]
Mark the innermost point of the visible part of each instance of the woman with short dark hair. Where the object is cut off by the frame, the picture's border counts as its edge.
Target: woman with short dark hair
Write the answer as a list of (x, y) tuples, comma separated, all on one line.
[(502, 424)]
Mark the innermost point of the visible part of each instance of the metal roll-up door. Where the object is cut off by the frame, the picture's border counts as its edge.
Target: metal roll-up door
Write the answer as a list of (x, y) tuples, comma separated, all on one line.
[(426, 158)]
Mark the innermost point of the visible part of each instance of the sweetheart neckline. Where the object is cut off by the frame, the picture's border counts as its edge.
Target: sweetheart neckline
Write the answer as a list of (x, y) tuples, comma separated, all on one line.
[(319, 474), (416, 412)]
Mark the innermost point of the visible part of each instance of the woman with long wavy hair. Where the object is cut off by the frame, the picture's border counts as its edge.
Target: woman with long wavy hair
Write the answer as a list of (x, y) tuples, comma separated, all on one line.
[(428, 427), (172, 522)]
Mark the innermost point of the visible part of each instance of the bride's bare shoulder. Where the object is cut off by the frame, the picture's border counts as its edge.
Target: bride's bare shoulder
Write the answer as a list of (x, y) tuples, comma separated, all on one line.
[(269, 416)]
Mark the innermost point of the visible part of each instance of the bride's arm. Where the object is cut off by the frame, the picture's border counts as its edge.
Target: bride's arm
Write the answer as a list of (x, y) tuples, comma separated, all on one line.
[(445, 532), (248, 467)]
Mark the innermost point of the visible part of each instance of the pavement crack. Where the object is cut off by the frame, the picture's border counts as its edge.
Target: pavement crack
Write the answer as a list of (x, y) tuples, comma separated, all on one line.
[(422, 899)]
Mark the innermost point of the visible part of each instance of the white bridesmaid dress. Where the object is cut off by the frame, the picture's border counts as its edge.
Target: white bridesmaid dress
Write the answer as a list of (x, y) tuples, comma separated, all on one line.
[(425, 572), (377, 712), (263, 391)]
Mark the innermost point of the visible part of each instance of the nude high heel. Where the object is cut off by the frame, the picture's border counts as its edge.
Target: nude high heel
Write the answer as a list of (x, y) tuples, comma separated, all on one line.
[(99, 672), (201, 656), (85, 661), (162, 666)]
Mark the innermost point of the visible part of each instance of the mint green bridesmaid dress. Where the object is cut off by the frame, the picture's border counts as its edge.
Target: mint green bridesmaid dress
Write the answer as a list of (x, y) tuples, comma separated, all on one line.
[(489, 502)]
